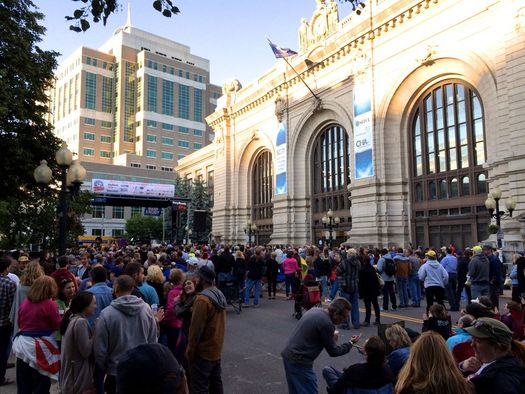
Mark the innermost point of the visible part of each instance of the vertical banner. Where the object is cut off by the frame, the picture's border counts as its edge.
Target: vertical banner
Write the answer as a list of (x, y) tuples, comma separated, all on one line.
[(280, 160), (363, 130)]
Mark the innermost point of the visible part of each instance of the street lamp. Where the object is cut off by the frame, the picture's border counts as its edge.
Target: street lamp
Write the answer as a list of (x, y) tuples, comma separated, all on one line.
[(250, 229), (492, 205), (72, 175), (330, 222)]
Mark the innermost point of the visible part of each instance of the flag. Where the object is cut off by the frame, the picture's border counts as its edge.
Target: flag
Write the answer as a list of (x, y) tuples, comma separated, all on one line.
[(281, 52)]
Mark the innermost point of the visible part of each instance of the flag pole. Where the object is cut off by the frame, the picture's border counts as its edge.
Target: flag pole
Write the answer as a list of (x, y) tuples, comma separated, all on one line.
[(301, 78)]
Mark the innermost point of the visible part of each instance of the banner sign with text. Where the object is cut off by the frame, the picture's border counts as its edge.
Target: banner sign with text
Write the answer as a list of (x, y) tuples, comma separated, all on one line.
[(363, 131), (137, 189), (152, 211), (280, 160)]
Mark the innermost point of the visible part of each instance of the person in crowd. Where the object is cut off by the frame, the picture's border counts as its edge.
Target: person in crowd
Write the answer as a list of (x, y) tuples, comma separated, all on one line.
[(437, 320), (272, 270), (254, 276), (32, 272), (431, 369), (206, 335), (172, 324), (155, 279), (400, 342), (369, 289), (77, 365), (103, 293), (314, 332), (225, 264), (183, 309), (513, 317), (450, 263), (205, 262), (498, 364), (348, 278), (147, 293), (402, 274), (290, 268), (520, 266), (164, 374), (66, 291), (239, 268), (516, 289), (463, 264), (322, 271), (113, 336), (461, 335), (334, 259), (84, 267), (63, 272), (387, 269), (435, 278), (414, 285), (38, 318), (495, 275), (7, 295), (481, 307), (478, 273), (374, 375)]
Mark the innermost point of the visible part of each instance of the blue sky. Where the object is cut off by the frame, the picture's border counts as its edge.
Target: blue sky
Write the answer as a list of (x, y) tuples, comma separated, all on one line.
[(231, 33)]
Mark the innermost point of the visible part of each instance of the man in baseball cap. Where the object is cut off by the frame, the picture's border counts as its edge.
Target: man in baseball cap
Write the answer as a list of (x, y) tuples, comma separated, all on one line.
[(494, 368), (478, 272)]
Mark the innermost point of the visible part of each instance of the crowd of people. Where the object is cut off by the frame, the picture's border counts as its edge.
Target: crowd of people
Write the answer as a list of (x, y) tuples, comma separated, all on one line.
[(68, 319)]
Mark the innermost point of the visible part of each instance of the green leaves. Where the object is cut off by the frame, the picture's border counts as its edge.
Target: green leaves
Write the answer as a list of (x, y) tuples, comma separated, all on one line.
[(102, 9)]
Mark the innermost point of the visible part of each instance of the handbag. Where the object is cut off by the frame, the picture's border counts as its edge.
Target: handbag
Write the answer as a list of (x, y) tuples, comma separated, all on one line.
[(380, 281), (508, 282)]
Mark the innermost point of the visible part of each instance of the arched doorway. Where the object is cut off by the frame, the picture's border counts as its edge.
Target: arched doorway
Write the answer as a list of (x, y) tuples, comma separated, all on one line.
[(262, 194), (331, 177), (448, 182)]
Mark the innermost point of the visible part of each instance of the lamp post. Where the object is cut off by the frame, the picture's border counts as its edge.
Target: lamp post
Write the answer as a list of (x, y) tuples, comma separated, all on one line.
[(250, 229), (492, 205), (72, 175), (330, 222), (190, 232)]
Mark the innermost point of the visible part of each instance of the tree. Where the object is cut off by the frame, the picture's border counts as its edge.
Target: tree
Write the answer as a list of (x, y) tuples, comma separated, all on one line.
[(144, 228), (26, 72), (102, 9), (200, 200)]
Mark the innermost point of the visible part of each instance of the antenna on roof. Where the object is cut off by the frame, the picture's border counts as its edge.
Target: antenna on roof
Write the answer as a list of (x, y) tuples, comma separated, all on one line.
[(128, 21)]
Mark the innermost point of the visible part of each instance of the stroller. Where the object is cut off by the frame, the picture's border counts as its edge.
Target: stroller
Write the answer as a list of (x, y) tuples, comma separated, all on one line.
[(308, 296)]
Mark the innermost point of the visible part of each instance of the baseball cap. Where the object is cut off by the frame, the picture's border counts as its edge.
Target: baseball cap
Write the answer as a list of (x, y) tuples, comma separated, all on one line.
[(476, 249), (485, 327), (430, 253), (206, 273), (487, 246)]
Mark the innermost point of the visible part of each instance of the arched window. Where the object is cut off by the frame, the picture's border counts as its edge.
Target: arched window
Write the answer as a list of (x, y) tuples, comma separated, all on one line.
[(262, 186), (447, 141), (331, 177)]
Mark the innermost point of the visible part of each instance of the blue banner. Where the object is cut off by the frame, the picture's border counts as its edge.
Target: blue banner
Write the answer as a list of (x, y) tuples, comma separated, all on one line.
[(363, 131), (280, 160), (152, 211)]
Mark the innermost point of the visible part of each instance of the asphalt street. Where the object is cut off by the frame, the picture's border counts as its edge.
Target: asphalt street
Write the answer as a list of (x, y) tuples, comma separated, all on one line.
[(255, 338)]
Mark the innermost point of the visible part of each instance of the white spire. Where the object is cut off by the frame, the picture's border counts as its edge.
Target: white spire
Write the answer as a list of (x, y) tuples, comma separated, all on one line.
[(128, 21)]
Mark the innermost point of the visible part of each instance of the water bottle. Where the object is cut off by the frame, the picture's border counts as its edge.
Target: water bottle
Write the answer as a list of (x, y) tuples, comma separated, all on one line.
[(154, 308)]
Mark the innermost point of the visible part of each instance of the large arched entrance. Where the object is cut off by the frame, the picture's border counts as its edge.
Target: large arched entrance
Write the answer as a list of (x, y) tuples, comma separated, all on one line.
[(330, 179), (262, 194), (448, 182)]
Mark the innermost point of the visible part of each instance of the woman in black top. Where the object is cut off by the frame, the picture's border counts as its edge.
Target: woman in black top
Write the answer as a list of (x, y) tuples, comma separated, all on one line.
[(272, 269), (369, 289)]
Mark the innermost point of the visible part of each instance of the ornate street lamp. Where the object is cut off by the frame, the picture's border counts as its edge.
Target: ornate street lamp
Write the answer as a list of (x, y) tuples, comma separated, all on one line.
[(250, 229), (72, 176), (330, 222), (492, 205)]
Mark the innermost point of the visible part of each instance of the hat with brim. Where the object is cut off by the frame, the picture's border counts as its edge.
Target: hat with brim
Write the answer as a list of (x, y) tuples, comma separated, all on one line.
[(476, 249), (488, 328), (430, 253)]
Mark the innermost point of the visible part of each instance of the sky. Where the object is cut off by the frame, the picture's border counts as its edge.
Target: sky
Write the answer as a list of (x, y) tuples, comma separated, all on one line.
[(230, 33)]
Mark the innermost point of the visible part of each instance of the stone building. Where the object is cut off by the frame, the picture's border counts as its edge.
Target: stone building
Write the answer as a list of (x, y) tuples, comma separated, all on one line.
[(415, 115)]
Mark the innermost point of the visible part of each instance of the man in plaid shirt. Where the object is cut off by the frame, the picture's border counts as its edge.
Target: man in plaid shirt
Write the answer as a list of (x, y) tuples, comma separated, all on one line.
[(7, 293)]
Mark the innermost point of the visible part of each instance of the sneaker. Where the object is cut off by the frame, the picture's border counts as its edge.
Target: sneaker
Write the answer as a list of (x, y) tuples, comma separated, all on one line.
[(365, 324), (376, 323)]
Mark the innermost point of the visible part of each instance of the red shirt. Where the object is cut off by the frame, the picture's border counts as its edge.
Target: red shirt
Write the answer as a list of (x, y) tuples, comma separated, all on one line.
[(41, 316)]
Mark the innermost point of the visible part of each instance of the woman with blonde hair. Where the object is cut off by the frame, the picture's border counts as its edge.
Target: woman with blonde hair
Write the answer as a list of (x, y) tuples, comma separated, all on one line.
[(32, 272), (399, 340), (155, 279), (431, 369), (38, 318)]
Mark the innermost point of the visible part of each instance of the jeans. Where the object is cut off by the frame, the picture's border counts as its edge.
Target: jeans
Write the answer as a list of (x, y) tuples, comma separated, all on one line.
[(434, 292), (5, 345), (250, 284), (354, 313), (388, 290), (205, 376), (335, 287), (479, 290), (300, 379), (29, 380), (451, 291), (331, 375), (369, 301), (402, 290), (415, 289), (324, 284), (290, 283)]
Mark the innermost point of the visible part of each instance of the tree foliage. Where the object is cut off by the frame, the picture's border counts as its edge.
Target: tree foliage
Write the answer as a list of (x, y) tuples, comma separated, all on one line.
[(140, 227), (100, 10)]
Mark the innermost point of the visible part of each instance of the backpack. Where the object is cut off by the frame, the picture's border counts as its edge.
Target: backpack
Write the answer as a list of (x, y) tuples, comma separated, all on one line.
[(390, 267)]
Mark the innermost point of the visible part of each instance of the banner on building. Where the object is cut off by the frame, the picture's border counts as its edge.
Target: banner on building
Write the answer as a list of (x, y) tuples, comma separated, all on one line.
[(152, 211), (136, 189), (363, 131), (280, 160)]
